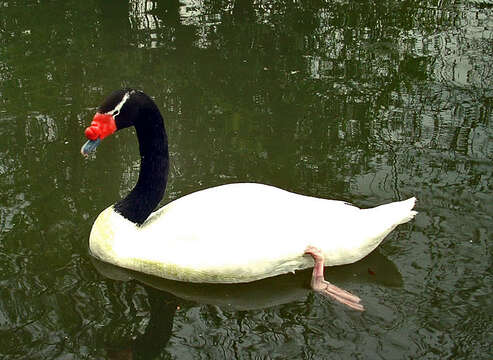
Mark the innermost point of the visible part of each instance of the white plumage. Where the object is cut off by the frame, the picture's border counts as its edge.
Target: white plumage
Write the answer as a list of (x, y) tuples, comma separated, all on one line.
[(243, 232)]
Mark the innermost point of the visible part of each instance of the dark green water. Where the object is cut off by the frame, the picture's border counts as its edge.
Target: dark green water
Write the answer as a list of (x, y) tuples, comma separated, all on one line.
[(362, 101)]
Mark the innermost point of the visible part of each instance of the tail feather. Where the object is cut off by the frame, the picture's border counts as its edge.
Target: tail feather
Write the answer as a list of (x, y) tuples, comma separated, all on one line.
[(399, 212), (407, 205)]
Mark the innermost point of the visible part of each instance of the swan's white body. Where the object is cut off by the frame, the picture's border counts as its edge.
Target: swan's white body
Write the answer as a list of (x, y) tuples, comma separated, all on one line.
[(243, 232)]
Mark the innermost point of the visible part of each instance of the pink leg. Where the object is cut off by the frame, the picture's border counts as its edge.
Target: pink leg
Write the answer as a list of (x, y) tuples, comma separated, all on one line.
[(320, 285)]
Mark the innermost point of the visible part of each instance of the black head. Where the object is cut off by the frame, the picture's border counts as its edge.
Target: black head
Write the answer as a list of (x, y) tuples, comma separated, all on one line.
[(121, 109), (124, 106)]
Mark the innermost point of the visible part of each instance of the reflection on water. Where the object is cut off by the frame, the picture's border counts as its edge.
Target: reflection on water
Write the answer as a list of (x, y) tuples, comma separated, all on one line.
[(166, 297), (264, 293), (361, 101)]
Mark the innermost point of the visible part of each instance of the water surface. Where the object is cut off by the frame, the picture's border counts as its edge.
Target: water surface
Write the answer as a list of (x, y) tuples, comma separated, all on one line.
[(367, 102)]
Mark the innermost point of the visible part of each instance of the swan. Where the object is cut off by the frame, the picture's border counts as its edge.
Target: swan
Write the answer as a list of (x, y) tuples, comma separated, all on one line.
[(231, 233)]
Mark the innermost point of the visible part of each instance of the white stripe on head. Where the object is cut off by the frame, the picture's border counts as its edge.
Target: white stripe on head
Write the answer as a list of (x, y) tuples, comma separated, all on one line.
[(119, 106)]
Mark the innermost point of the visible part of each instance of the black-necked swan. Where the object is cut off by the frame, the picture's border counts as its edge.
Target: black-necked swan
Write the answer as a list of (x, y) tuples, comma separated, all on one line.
[(226, 234)]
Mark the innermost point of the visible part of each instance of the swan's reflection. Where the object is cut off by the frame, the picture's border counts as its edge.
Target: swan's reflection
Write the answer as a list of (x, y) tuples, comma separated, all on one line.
[(165, 296)]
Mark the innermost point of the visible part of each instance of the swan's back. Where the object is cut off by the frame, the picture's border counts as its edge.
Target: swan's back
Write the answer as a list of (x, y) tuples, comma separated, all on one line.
[(252, 221)]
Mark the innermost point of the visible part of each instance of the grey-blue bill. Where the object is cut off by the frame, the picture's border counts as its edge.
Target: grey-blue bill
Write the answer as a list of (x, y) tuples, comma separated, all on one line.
[(89, 146)]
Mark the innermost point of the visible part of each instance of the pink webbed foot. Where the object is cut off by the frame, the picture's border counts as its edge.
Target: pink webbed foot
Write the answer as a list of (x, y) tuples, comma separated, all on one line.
[(320, 285)]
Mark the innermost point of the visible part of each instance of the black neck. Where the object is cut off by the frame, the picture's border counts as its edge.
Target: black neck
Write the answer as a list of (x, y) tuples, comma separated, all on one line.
[(154, 165)]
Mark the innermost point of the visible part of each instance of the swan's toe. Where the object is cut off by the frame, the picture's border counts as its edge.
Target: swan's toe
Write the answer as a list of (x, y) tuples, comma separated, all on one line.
[(344, 297)]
